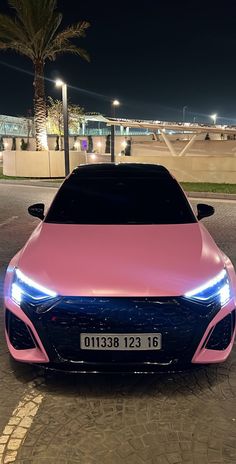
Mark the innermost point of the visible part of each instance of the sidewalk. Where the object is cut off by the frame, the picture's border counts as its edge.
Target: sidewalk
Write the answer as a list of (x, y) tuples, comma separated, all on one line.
[(57, 182)]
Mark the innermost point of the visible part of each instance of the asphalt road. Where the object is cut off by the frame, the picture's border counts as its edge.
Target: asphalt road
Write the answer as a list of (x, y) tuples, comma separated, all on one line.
[(187, 417)]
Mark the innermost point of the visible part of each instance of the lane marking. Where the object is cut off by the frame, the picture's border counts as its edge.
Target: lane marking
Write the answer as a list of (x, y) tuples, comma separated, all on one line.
[(8, 221), (19, 423)]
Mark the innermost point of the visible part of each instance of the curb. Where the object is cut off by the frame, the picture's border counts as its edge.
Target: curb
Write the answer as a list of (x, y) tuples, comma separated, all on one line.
[(32, 182), (212, 195)]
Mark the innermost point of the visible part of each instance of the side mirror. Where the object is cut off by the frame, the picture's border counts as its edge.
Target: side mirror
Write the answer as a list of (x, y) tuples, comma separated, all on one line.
[(37, 210), (204, 211)]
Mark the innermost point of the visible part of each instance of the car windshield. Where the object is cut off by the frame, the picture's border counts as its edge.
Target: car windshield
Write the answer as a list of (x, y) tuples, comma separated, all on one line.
[(120, 200)]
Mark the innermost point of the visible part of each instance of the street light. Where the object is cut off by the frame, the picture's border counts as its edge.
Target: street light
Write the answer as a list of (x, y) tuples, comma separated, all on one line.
[(76, 145), (114, 104), (213, 117), (99, 145), (60, 83)]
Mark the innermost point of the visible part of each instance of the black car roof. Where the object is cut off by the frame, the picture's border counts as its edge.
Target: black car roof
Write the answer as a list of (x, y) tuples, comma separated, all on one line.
[(124, 169)]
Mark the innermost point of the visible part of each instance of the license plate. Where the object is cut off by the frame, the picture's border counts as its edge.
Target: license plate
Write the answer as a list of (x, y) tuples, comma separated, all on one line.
[(120, 342)]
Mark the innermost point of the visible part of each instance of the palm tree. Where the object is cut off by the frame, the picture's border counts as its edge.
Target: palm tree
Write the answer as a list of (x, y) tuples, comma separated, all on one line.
[(34, 32)]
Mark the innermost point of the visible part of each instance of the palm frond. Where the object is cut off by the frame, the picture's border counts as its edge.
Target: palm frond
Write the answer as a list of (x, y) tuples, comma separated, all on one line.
[(52, 27), (44, 36), (74, 31), (33, 14), (54, 51), (17, 47), (61, 43), (10, 29), (34, 30)]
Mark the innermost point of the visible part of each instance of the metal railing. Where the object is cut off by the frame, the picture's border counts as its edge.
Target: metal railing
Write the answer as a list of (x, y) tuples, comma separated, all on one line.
[(23, 127), (13, 126)]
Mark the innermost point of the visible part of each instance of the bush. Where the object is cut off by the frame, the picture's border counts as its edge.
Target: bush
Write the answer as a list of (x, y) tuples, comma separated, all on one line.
[(108, 144), (57, 143), (90, 144), (1, 144), (23, 145), (13, 145), (128, 148)]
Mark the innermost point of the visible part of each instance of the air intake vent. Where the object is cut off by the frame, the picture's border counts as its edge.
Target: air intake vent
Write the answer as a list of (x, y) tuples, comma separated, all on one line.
[(18, 332), (222, 334)]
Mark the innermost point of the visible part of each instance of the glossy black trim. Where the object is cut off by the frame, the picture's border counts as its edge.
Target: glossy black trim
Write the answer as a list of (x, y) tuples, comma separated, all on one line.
[(222, 333), (19, 333), (181, 322)]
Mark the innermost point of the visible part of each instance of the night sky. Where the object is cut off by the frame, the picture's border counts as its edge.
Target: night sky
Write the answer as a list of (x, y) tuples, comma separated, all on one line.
[(154, 56)]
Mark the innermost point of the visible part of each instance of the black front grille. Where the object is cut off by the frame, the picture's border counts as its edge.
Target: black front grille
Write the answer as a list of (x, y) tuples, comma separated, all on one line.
[(18, 332), (180, 322), (222, 333)]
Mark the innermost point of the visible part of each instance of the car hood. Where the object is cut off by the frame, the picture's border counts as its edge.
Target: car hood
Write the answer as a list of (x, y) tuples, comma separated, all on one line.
[(120, 260)]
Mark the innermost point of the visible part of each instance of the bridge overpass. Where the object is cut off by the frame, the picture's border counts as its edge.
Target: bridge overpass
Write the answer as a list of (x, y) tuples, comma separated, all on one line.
[(163, 127), (23, 127)]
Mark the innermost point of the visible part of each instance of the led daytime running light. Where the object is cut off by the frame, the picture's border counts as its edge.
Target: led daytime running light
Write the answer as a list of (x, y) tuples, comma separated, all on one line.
[(35, 285), (207, 285)]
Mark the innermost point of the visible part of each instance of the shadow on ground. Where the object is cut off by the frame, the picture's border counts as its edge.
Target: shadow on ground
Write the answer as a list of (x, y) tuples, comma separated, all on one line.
[(211, 380)]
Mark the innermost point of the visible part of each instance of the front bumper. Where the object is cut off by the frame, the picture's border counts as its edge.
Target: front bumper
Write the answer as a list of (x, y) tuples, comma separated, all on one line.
[(191, 332)]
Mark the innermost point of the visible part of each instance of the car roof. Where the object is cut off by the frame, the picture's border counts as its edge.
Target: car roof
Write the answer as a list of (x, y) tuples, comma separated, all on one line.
[(123, 169)]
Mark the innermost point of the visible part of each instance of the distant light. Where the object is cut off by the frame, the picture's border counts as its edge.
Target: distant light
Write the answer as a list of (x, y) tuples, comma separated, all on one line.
[(214, 116), (115, 103), (99, 144), (93, 157), (76, 145), (59, 83), (6, 144)]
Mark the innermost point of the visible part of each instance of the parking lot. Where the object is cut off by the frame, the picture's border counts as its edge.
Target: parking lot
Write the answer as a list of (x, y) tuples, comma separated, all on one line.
[(187, 417)]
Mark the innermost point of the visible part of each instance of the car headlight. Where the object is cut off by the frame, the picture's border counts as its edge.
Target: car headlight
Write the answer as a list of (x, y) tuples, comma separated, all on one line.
[(217, 288), (26, 290)]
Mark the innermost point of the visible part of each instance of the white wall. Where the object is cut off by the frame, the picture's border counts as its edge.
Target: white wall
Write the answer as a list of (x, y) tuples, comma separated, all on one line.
[(211, 168), (39, 163)]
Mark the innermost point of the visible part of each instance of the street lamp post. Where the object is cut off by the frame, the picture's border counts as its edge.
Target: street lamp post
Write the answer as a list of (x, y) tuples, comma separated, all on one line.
[(61, 84), (114, 104), (213, 117), (184, 111), (112, 143)]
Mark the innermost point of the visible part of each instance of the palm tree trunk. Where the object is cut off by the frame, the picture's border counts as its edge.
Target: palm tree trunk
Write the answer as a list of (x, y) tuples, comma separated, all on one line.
[(40, 107)]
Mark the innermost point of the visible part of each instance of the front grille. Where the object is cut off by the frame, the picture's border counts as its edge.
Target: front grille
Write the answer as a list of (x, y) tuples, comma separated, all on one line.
[(180, 322), (222, 333), (19, 334)]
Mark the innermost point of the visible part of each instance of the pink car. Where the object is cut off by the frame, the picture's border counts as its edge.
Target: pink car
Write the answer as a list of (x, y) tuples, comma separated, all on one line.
[(120, 275)]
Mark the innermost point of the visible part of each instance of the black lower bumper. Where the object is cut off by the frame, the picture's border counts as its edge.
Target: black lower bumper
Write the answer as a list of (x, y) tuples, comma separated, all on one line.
[(181, 322)]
